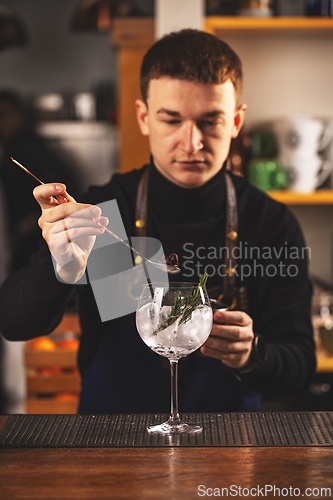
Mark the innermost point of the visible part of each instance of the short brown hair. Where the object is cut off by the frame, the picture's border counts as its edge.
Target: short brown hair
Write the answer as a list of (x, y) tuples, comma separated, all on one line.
[(192, 55)]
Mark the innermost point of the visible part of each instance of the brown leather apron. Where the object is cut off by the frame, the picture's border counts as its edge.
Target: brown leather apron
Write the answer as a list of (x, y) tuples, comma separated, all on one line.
[(228, 292)]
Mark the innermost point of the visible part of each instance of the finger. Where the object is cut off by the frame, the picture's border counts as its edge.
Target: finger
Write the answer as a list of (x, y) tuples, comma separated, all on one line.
[(76, 222), (234, 358), (85, 232), (45, 194), (65, 197), (74, 210), (70, 235), (52, 194), (66, 230), (232, 318), (233, 332), (227, 347), (102, 220)]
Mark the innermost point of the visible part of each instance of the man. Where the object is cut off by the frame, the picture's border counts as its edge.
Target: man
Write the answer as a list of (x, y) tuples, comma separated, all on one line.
[(191, 85)]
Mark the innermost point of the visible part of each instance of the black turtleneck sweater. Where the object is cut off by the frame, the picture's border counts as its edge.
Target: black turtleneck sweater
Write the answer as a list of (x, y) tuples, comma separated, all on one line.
[(120, 374), (186, 220)]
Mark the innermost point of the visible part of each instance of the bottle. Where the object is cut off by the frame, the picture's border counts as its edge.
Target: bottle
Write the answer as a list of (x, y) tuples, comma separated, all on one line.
[(289, 8), (318, 8), (261, 8)]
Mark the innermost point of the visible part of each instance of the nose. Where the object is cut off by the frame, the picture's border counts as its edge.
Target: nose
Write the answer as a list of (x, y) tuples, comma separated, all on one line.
[(191, 140)]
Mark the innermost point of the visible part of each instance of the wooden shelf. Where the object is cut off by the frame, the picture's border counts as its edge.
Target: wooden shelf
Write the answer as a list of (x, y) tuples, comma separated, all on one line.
[(139, 32), (52, 384), (60, 357), (66, 384), (39, 406), (324, 364), (235, 25), (321, 197), (133, 32)]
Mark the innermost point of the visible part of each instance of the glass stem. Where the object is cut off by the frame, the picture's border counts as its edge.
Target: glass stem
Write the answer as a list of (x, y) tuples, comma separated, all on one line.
[(174, 391)]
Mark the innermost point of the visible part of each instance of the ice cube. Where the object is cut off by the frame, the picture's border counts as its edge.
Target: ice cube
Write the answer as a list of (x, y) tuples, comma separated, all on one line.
[(168, 335), (164, 313), (196, 330), (203, 320), (192, 333), (151, 341), (158, 296), (188, 329), (147, 320)]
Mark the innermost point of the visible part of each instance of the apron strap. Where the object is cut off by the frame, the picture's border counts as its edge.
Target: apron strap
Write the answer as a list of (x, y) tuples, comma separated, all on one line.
[(141, 209), (228, 291), (231, 238)]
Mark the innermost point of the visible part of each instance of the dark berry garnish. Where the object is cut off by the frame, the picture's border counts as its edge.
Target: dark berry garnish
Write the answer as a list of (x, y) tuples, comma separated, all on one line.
[(172, 260)]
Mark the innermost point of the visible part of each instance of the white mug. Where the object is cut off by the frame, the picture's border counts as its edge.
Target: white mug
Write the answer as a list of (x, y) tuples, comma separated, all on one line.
[(327, 140), (308, 173), (327, 152), (301, 141), (84, 106), (298, 135)]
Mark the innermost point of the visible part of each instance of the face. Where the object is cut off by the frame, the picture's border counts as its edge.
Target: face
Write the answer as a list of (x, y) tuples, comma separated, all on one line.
[(190, 127)]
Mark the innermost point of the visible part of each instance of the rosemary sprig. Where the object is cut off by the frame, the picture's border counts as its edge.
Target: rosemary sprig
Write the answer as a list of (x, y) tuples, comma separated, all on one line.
[(182, 308)]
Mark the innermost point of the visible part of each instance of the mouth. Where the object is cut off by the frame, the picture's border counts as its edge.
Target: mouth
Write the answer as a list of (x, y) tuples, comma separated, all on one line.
[(190, 163)]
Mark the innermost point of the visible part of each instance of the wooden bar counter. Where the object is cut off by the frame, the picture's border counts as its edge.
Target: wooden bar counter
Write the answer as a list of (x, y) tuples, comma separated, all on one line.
[(162, 473)]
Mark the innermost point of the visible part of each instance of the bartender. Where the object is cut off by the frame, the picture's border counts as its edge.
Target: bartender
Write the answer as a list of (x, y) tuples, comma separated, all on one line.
[(250, 245)]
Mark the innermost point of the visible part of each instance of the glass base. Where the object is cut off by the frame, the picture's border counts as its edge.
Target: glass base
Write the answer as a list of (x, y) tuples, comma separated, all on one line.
[(174, 427)]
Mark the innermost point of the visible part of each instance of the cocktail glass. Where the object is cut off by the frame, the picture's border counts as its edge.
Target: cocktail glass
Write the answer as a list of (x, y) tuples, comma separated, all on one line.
[(174, 320)]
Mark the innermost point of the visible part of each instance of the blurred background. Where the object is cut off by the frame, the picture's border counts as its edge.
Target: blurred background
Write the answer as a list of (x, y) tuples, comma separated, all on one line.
[(69, 77)]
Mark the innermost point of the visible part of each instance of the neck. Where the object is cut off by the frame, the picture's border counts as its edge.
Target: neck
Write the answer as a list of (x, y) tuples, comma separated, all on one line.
[(182, 203)]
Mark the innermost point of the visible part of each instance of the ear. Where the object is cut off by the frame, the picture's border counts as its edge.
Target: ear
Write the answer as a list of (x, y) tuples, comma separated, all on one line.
[(142, 116), (238, 120)]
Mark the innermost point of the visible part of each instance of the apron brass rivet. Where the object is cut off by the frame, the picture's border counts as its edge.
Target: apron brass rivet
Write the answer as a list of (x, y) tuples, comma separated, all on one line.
[(232, 235), (140, 223), (231, 271)]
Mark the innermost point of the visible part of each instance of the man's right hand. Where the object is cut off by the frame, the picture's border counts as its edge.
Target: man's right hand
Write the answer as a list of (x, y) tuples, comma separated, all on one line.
[(68, 228)]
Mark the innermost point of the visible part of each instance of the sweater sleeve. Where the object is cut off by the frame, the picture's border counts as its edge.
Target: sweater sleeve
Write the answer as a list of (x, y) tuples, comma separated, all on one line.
[(291, 362), (32, 300), (282, 313)]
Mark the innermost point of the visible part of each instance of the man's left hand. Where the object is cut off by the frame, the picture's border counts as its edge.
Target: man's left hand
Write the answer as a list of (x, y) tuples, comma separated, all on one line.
[(231, 341)]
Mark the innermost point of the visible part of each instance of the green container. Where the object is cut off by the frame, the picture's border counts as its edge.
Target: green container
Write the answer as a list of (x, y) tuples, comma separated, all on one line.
[(266, 175)]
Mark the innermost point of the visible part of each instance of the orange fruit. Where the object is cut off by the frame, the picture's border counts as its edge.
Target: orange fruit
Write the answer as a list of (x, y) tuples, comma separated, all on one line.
[(49, 371), (66, 396), (42, 344), (70, 344)]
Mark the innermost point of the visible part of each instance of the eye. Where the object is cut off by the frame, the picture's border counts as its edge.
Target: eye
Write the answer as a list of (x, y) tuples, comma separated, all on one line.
[(208, 123), (172, 122)]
